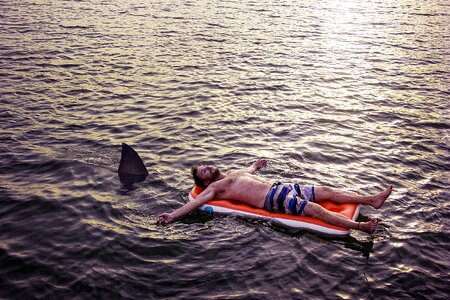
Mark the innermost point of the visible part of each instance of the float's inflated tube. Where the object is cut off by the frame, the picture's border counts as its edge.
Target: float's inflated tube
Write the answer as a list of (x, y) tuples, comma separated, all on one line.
[(349, 210)]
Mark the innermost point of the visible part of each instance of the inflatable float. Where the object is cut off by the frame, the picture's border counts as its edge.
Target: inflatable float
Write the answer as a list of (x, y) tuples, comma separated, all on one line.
[(227, 207)]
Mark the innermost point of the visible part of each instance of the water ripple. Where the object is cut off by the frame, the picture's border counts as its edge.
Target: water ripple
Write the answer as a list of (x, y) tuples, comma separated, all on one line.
[(184, 82)]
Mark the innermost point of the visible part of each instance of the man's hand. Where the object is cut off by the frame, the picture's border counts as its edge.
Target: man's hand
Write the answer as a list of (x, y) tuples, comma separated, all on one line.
[(261, 162), (165, 218), (208, 194), (258, 164)]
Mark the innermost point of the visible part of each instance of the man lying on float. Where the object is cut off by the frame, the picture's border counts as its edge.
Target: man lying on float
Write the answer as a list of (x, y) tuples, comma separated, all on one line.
[(295, 199)]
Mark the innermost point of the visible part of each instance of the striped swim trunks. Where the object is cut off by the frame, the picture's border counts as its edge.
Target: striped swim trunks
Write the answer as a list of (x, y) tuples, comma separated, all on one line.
[(292, 198)]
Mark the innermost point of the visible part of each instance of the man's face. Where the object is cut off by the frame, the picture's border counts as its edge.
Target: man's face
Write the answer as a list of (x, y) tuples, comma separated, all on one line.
[(208, 173)]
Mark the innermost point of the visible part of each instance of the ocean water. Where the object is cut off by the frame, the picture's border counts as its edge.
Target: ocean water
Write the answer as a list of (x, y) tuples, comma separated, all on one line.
[(351, 94)]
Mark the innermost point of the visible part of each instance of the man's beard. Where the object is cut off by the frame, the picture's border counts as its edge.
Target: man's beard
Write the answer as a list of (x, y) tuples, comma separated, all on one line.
[(215, 173)]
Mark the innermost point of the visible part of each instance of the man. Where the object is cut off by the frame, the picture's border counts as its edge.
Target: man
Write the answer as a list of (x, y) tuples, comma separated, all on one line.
[(295, 199)]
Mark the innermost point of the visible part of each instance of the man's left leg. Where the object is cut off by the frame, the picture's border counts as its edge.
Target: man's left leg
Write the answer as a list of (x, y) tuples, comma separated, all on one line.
[(326, 193)]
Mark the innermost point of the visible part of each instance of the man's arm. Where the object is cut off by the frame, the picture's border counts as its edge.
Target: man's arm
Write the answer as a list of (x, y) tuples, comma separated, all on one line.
[(258, 164), (208, 194)]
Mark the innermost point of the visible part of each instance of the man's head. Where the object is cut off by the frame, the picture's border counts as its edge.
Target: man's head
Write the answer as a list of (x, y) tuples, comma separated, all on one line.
[(205, 175)]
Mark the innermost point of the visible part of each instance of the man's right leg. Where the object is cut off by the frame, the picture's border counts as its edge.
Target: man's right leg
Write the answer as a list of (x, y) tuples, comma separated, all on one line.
[(316, 211)]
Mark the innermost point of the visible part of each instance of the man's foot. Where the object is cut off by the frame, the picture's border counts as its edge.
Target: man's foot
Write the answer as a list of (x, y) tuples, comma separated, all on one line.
[(369, 226), (379, 199)]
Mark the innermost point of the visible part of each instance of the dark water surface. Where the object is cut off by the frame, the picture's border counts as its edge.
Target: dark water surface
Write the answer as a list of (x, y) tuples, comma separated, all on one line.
[(353, 94)]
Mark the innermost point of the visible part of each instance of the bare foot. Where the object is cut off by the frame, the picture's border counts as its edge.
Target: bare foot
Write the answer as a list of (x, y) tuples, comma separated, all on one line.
[(379, 198), (369, 226)]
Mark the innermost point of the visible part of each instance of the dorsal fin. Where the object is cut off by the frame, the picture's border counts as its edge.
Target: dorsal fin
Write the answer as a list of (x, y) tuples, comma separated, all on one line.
[(131, 163)]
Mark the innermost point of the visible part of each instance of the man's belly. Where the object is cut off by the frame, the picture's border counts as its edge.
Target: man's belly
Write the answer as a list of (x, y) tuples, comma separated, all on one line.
[(253, 194)]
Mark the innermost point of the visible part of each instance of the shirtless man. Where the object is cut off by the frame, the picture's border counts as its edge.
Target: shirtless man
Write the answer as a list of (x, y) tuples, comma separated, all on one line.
[(294, 199)]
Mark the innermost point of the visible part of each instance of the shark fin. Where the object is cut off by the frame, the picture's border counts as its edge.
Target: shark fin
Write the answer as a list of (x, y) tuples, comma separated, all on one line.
[(131, 167)]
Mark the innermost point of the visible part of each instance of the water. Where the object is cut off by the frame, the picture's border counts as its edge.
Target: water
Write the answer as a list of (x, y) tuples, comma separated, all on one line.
[(352, 94)]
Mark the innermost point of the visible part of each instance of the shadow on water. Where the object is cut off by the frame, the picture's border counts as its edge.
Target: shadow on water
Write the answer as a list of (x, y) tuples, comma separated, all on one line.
[(365, 247), (349, 242), (197, 217)]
